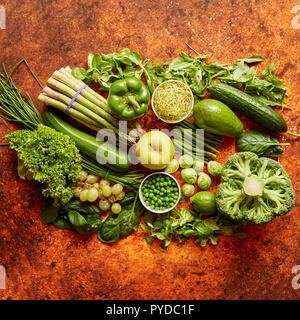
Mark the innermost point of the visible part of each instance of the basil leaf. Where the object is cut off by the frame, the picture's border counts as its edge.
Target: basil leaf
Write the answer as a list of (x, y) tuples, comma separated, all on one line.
[(148, 238), (159, 236)]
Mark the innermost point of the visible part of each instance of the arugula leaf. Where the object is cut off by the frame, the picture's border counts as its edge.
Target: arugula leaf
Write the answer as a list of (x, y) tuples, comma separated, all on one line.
[(252, 59)]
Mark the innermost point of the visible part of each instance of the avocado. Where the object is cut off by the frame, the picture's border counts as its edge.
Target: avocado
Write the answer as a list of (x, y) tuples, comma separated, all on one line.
[(215, 117)]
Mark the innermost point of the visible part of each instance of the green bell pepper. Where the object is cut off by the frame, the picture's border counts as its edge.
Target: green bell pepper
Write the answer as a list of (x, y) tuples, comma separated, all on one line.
[(129, 98)]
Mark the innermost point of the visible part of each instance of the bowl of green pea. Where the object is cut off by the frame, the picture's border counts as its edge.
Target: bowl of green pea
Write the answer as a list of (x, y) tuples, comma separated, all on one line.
[(159, 192)]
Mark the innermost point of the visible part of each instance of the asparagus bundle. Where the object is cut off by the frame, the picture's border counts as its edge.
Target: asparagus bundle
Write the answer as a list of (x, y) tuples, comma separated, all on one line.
[(89, 108)]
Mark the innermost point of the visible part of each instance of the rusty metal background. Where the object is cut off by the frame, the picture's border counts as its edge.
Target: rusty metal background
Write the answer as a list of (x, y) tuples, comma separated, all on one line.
[(43, 262)]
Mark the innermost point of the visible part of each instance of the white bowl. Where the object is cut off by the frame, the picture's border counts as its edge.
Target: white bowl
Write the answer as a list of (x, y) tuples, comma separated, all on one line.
[(141, 195), (186, 116)]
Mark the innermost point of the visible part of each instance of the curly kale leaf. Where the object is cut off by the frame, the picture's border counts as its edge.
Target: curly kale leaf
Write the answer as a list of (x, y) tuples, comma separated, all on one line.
[(51, 157)]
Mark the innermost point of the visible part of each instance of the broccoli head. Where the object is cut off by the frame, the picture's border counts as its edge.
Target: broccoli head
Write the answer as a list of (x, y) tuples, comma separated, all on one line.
[(51, 158), (254, 189)]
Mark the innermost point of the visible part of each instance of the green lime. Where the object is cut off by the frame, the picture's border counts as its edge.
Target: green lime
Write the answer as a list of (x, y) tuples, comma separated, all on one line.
[(204, 202)]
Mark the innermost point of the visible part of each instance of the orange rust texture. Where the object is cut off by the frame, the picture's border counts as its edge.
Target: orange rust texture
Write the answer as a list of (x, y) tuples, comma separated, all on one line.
[(43, 262)]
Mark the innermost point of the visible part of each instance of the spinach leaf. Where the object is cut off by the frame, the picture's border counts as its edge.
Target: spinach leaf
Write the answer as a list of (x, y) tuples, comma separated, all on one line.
[(84, 224), (123, 224), (82, 217), (260, 143), (76, 219), (240, 235), (109, 232), (49, 212), (148, 217), (63, 223), (80, 206)]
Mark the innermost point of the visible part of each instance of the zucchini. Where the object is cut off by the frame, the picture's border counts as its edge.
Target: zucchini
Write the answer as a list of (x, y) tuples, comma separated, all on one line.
[(88, 145), (248, 105)]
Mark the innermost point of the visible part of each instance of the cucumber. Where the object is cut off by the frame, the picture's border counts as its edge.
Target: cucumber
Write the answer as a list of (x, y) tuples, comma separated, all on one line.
[(215, 117), (88, 145), (248, 105)]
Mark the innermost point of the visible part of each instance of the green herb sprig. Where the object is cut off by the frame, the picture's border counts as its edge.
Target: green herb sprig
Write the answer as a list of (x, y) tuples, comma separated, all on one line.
[(184, 223)]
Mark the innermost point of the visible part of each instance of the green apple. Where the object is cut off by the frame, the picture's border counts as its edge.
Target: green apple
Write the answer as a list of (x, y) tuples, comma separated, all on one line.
[(155, 150)]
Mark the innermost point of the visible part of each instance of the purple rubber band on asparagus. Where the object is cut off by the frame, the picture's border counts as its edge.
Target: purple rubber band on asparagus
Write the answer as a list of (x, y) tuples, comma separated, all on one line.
[(74, 98)]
